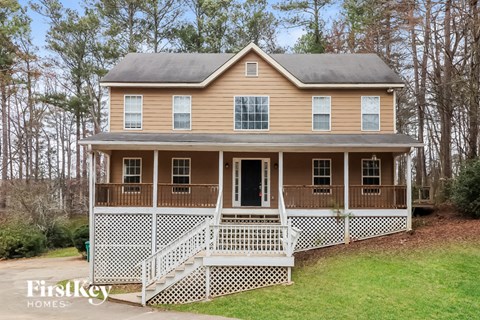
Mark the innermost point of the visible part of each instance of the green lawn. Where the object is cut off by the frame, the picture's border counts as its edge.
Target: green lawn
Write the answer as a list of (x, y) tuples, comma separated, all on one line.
[(61, 253), (428, 283)]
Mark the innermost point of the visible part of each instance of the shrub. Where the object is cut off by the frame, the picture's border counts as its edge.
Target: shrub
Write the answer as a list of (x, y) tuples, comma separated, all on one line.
[(466, 190), (59, 236), (80, 236), (20, 240)]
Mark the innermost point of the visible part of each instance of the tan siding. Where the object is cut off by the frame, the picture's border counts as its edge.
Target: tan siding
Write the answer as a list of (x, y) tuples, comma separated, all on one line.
[(290, 107)]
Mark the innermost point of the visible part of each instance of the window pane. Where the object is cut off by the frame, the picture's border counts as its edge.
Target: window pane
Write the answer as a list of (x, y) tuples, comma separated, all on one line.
[(133, 112), (370, 122), (251, 113), (321, 113), (321, 122), (181, 121), (370, 105)]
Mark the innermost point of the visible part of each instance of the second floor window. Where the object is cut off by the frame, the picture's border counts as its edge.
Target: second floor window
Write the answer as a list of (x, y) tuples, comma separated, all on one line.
[(182, 111), (370, 113), (133, 112), (251, 113), (321, 113)]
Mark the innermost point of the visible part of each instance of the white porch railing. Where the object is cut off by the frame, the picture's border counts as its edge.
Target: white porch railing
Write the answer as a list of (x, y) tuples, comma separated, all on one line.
[(218, 207), (174, 255), (282, 210), (227, 239)]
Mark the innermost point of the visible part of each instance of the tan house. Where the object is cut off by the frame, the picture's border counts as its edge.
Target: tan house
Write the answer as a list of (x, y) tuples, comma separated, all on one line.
[(222, 165)]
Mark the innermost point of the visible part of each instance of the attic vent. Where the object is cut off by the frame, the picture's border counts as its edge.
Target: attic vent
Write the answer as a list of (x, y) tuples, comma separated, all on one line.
[(251, 69)]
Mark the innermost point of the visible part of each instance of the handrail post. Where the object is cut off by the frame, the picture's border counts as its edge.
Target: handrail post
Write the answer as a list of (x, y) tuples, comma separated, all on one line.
[(144, 282), (207, 237), (289, 240)]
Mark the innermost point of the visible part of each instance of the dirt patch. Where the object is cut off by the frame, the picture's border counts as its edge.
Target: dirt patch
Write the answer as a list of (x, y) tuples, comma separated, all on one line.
[(437, 228)]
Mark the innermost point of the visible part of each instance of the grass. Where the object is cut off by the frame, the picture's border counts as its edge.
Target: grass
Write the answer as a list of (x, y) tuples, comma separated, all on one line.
[(62, 253), (427, 283)]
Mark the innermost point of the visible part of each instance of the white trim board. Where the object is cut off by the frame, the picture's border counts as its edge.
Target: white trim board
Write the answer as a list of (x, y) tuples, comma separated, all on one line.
[(354, 212), (151, 210), (254, 260)]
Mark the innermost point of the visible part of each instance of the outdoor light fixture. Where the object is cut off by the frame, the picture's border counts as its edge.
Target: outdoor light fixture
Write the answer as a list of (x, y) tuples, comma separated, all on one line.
[(227, 165), (275, 165), (374, 157)]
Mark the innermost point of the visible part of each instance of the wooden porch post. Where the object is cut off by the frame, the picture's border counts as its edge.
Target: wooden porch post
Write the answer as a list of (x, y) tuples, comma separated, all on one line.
[(154, 201), (280, 174), (345, 196), (409, 190), (91, 193)]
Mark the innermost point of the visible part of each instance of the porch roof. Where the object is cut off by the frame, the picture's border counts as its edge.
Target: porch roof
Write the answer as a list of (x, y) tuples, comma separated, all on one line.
[(262, 141)]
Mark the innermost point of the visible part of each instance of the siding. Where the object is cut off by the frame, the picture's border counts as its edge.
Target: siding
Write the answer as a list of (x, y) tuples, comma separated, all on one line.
[(290, 107)]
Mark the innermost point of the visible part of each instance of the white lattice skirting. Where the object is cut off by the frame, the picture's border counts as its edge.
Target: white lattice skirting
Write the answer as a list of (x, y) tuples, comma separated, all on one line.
[(324, 231), (123, 240), (223, 280)]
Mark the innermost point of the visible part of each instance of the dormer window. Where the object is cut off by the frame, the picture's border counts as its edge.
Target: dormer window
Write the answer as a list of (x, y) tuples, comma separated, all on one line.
[(251, 69)]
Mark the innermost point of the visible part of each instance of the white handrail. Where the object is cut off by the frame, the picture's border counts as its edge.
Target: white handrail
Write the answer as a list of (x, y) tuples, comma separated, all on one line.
[(282, 211), (174, 255), (218, 207)]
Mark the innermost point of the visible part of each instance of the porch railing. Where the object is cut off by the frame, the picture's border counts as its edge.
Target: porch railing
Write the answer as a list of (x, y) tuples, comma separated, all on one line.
[(313, 197), (188, 195), (378, 197), (169, 195), (123, 194)]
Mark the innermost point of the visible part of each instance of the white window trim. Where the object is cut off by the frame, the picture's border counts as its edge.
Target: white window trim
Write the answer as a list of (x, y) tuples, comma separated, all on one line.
[(379, 177), (256, 69), (313, 176), (251, 130), (379, 111), (141, 111), (123, 172), (173, 113), (238, 204), (330, 115), (189, 176)]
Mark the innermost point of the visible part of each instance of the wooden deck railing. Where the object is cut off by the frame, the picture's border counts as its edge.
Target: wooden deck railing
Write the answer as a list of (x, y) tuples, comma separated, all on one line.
[(123, 194), (378, 197), (169, 195), (313, 197), (188, 195)]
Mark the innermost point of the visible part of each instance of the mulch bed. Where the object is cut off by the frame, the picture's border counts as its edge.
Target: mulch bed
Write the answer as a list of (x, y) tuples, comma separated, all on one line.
[(442, 226)]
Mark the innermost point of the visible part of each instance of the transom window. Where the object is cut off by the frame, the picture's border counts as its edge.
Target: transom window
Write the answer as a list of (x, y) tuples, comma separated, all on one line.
[(182, 111), (371, 175), (370, 113), (251, 113), (133, 112), (321, 107), (181, 174), (322, 175), (132, 173)]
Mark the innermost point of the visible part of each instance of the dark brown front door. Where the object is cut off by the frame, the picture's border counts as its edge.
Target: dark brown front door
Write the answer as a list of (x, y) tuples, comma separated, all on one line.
[(251, 183)]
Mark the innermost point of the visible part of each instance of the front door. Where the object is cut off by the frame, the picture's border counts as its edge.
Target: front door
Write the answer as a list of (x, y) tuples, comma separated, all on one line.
[(251, 194)]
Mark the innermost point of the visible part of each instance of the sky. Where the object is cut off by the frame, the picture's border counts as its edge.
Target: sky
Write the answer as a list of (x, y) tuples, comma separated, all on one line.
[(286, 37)]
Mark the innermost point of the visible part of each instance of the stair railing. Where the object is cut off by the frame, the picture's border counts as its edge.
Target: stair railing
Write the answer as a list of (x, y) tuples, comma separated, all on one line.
[(174, 255), (282, 211)]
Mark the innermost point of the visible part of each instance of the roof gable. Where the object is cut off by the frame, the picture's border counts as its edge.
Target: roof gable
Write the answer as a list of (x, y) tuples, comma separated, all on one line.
[(199, 70)]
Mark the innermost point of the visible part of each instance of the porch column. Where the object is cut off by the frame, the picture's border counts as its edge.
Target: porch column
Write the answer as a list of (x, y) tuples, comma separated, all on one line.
[(154, 201), (91, 200), (220, 171), (155, 178), (346, 185), (280, 174), (345, 181), (409, 190)]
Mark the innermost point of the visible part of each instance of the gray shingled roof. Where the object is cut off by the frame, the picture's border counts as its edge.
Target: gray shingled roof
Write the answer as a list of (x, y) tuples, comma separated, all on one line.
[(337, 68), (314, 140), (308, 68), (166, 67)]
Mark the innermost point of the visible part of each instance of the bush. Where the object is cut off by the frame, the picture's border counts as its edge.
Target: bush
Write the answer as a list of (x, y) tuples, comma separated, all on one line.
[(466, 190), (59, 236), (80, 236), (20, 240)]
